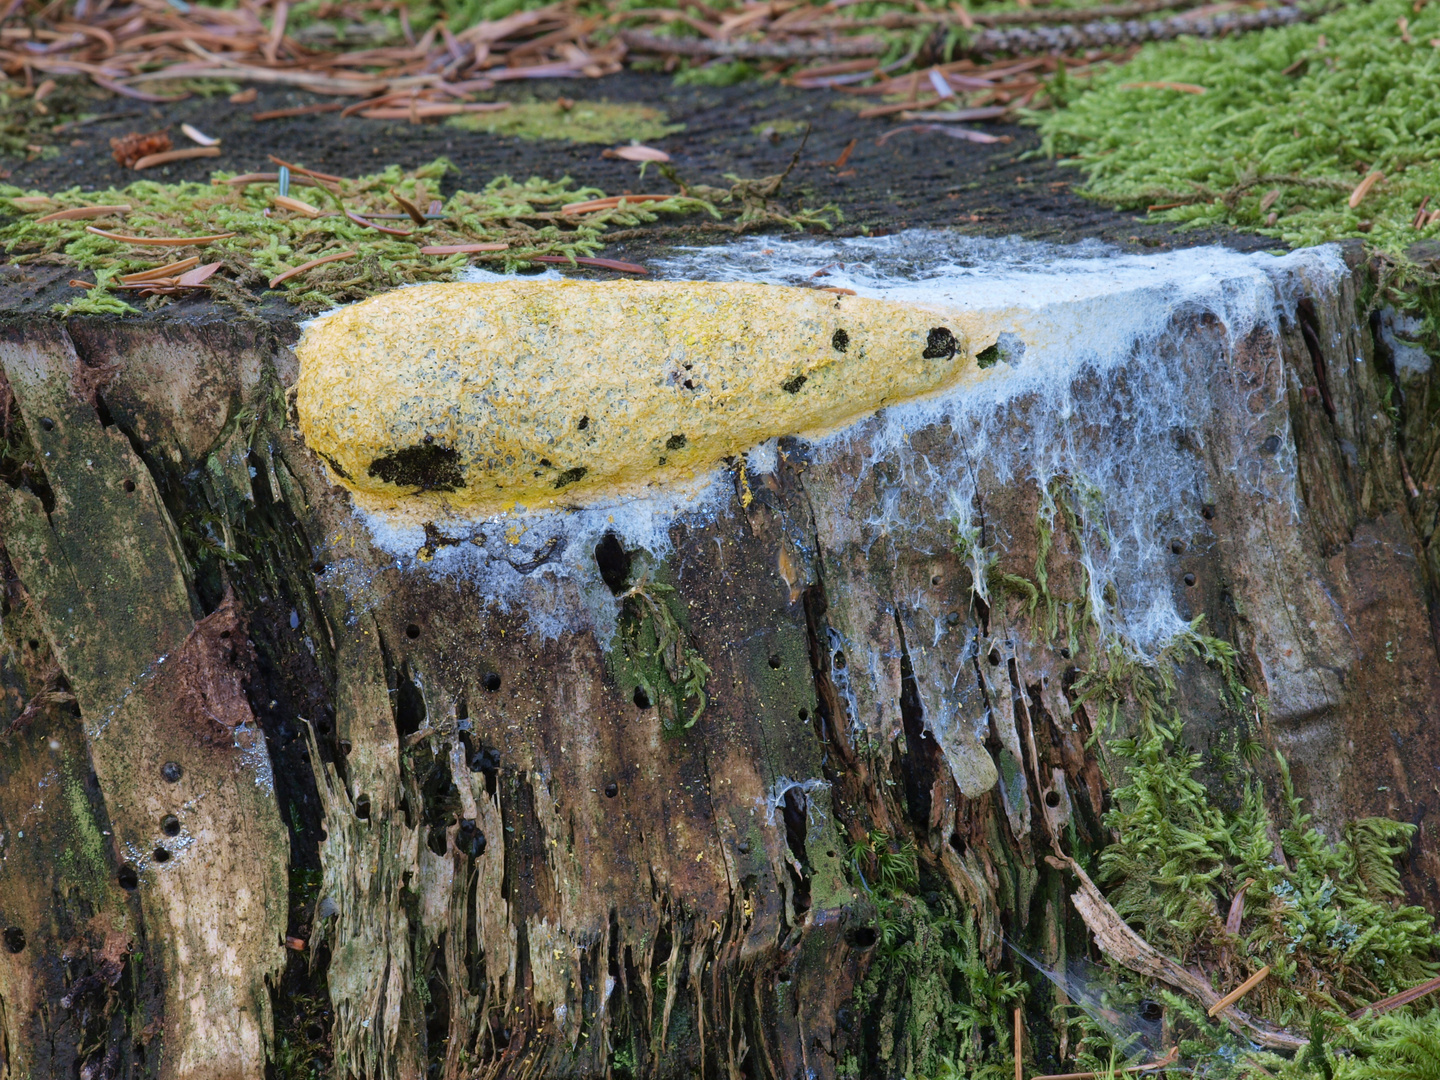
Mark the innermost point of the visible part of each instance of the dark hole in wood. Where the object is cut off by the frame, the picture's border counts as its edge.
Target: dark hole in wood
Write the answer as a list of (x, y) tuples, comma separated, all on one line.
[(161, 855), (491, 681), (1177, 547), (435, 840), (170, 825), (614, 563), (957, 843), (1052, 799), (862, 937), (470, 840), (47, 423), (774, 660), (129, 486), (838, 660), (994, 658), (611, 790), (1151, 1011), (345, 747), (14, 939), (412, 631), (804, 714), (486, 760), (317, 567), (315, 1032), (362, 807), (1208, 511), (128, 878), (171, 772), (1190, 580), (642, 699)]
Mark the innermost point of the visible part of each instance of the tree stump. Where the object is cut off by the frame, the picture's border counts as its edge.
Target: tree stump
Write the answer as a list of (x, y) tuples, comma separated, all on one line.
[(606, 790)]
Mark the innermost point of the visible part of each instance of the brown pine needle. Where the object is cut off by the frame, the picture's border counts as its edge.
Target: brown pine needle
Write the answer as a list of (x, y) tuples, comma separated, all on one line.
[(80, 213), (296, 206), (1239, 991), (151, 160), (610, 203), (168, 270), (461, 249), (159, 241), (305, 267), (1363, 188), (1181, 87), (301, 110)]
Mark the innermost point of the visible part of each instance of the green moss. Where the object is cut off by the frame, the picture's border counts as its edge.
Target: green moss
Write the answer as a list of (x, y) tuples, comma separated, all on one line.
[(526, 216), (1290, 122), (780, 127), (663, 663), (931, 1006), (584, 121)]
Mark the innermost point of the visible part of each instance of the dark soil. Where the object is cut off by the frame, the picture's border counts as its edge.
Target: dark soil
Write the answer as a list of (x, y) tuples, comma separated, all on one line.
[(913, 178)]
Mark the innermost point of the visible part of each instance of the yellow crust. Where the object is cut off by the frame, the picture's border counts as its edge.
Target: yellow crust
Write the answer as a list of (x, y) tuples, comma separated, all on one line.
[(482, 397)]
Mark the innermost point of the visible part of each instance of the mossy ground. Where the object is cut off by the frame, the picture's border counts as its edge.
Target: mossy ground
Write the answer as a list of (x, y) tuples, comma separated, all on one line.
[(1290, 121), (575, 121), (268, 240)]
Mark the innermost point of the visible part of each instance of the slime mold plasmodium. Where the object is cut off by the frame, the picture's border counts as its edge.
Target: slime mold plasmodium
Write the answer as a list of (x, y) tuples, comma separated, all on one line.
[(485, 397)]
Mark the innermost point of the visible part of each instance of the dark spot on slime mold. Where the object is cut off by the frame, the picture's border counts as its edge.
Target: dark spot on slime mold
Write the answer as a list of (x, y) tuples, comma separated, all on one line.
[(335, 466), (425, 467), (986, 358), (569, 476), (171, 772), (583, 424), (793, 386), (840, 341), (675, 442), (941, 345)]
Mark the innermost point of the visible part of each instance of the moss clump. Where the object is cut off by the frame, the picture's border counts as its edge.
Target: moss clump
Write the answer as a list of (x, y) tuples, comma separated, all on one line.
[(268, 240), (1290, 122), (581, 121), (929, 1005)]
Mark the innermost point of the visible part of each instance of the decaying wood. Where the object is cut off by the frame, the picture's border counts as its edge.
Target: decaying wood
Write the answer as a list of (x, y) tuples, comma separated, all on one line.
[(1125, 946), (498, 862)]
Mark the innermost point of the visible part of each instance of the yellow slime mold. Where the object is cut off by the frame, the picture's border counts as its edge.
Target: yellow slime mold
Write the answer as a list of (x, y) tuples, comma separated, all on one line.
[(482, 397)]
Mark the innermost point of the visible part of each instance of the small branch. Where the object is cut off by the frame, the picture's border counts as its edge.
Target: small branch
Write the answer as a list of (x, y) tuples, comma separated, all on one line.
[(1405, 997), (753, 50)]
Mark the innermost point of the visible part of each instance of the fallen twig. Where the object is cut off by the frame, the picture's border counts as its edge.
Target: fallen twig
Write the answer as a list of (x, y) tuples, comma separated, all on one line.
[(1117, 941), (1395, 1001)]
